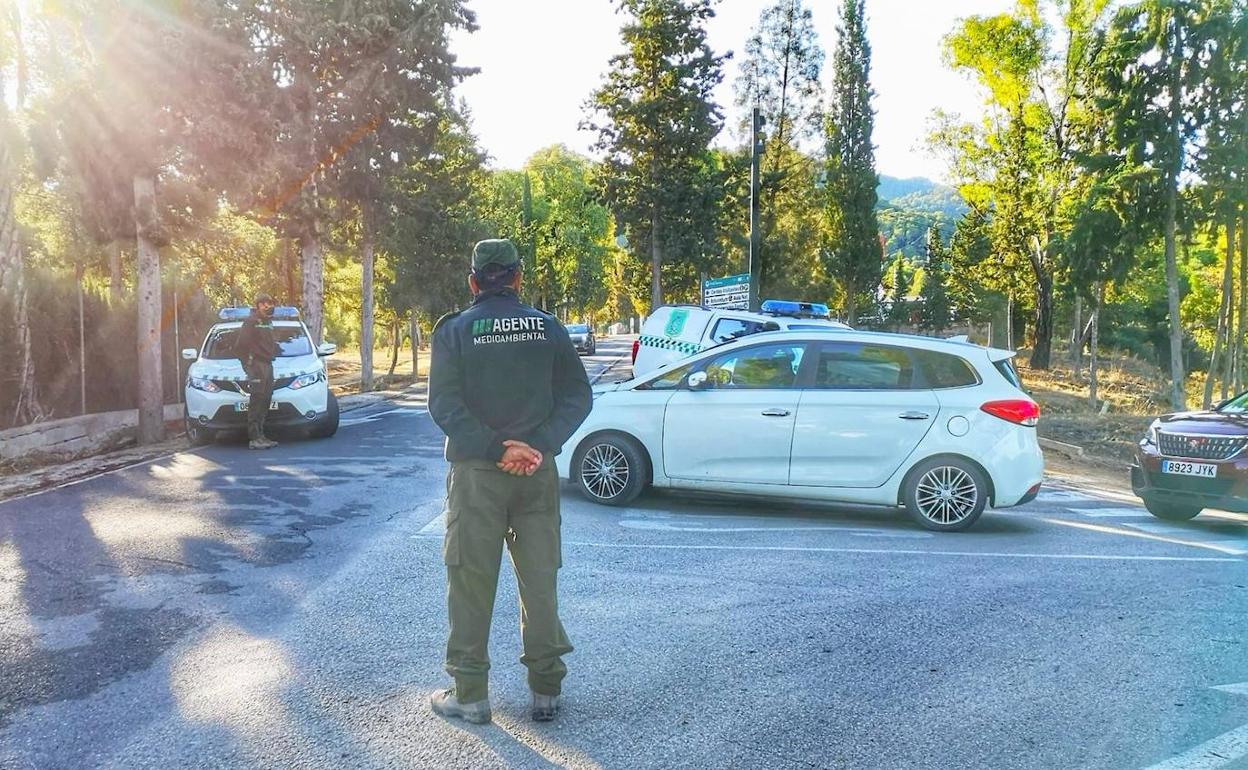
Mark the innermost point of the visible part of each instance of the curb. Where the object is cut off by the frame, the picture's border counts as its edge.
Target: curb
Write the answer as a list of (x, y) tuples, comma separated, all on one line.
[(1069, 450)]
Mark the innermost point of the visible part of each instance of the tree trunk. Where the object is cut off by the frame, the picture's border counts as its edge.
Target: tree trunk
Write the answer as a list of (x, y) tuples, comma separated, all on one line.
[(414, 335), (1228, 295), (1041, 352), (656, 262), (396, 336), (1178, 381), (82, 343), (851, 304), (148, 299), (1076, 337), (1094, 357), (366, 304), (1243, 301), (312, 267), (115, 289), (1215, 360), (1009, 321)]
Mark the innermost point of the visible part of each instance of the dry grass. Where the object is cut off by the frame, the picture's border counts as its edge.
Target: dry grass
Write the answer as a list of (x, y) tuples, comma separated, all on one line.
[(1131, 392), (344, 370)]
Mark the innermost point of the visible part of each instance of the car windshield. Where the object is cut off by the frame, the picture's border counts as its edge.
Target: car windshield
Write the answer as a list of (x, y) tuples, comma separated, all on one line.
[(291, 341), (578, 328), (1237, 405)]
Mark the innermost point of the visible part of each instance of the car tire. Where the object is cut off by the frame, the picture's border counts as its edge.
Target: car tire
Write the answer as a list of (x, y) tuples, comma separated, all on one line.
[(197, 435), (1171, 512), (611, 469), (945, 494), (327, 425)]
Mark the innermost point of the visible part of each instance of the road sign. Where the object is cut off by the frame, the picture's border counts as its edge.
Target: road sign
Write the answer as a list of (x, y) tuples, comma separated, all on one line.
[(730, 293)]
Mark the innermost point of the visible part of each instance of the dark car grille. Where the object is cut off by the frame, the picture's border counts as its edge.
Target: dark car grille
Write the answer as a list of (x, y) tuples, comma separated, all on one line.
[(1200, 447), (244, 387)]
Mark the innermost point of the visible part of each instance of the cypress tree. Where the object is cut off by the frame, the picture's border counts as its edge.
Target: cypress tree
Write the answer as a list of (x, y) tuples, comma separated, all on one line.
[(852, 253)]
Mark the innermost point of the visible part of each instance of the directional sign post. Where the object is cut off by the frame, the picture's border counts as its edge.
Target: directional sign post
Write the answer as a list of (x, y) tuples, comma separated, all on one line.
[(729, 293)]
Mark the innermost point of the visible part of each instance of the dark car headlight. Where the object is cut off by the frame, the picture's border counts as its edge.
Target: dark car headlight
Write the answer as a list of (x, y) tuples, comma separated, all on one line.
[(1150, 437)]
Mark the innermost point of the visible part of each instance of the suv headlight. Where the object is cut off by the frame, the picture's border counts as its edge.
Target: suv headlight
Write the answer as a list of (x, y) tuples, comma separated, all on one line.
[(1151, 436), (204, 384), (306, 380)]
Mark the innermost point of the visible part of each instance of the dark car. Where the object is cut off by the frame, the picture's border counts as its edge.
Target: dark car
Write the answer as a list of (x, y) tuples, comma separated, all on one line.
[(1194, 460), (583, 338)]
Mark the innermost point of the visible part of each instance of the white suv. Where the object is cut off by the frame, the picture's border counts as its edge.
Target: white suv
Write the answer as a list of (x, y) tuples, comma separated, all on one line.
[(938, 427), (673, 332), (216, 385)]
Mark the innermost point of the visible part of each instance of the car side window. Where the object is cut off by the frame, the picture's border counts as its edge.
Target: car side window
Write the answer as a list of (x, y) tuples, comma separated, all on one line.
[(943, 370), (668, 381), (861, 366), (727, 329), (765, 366)]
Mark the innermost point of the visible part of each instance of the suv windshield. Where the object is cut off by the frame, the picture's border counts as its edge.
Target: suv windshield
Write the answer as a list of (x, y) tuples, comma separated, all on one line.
[(291, 341)]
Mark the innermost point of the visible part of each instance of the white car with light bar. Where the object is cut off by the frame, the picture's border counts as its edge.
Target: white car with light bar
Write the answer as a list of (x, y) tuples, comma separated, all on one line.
[(938, 427), (216, 385), (673, 332)]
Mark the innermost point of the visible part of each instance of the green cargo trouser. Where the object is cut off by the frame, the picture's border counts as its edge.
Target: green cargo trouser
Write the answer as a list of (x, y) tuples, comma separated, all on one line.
[(486, 507)]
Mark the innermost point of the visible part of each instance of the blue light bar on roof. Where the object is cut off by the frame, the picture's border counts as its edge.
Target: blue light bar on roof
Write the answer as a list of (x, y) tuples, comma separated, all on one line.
[(795, 309), (280, 313)]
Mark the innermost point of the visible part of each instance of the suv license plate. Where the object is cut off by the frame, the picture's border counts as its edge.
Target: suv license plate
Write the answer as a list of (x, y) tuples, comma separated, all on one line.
[(1204, 470), (242, 406)]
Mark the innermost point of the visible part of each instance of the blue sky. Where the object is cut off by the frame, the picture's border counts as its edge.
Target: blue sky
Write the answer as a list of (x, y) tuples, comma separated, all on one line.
[(540, 60)]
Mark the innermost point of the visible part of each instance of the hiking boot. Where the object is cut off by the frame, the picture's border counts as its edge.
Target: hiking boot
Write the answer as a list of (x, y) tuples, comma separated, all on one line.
[(257, 443), (269, 443), (544, 707), (444, 703)]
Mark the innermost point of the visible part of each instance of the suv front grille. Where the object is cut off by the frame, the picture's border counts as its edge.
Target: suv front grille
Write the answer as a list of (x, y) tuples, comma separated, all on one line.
[(1200, 447)]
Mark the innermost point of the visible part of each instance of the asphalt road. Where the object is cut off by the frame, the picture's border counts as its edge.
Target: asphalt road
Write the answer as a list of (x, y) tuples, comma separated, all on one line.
[(221, 608)]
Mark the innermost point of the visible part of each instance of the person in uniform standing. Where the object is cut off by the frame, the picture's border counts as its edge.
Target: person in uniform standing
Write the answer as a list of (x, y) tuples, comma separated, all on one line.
[(508, 389), (256, 349)]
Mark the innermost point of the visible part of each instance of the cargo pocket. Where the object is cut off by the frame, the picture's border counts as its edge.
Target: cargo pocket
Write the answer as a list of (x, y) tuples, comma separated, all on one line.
[(450, 542)]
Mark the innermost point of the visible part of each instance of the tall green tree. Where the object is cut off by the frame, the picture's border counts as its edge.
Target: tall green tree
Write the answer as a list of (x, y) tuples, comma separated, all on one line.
[(853, 254), (655, 119), (781, 72), (1149, 90), (936, 313), (392, 112)]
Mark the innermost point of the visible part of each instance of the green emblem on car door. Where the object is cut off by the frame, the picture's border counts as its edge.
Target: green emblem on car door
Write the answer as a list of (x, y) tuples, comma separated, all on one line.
[(676, 323)]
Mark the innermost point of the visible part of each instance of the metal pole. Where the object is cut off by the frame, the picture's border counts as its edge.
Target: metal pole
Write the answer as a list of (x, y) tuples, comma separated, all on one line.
[(756, 151)]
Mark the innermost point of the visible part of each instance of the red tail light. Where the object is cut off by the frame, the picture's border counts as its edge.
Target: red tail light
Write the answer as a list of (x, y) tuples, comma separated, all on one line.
[(636, 347), (1015, 410)]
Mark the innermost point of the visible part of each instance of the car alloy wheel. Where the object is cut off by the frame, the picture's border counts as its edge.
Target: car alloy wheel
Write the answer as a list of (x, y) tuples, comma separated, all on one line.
[(945, 494), (605, 471)]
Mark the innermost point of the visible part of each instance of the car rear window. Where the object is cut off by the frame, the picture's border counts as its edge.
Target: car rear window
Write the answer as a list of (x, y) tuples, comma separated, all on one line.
[(858, 366), (1006, 367), (732, 328), (944, 370), (577, 328)]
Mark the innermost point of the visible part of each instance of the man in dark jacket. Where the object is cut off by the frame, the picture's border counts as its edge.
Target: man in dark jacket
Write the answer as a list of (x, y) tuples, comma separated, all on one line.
[(256, 349), (508, 389)]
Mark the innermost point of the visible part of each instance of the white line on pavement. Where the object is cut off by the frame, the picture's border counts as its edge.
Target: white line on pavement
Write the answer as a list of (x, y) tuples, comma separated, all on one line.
[(665, 527), (1219, 547), (1109, 513), (908, 552), (1221, 751)]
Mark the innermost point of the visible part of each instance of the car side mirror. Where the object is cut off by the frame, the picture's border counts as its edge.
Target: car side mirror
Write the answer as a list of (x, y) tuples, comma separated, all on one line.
[(326, 349), (189, 354), (696, 381)]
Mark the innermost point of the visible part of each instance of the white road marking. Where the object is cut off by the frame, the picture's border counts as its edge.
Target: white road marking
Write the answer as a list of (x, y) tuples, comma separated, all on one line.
[(402, 410), (1158, 528), (1217, 752), (1235, 550), (435, 528), (665, 527), (907, 552), (1110, 513), (1059, 495)]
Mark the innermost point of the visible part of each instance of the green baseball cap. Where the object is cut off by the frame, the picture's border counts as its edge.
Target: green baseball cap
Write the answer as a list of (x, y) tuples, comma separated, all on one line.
[(495, 251)]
